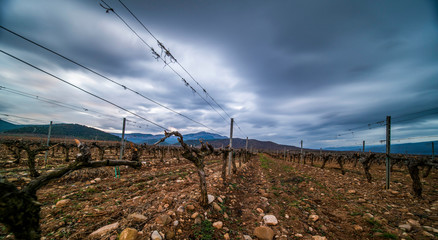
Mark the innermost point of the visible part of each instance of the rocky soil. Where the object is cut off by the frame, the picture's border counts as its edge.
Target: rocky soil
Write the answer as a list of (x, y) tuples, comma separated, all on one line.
[(266, 199)]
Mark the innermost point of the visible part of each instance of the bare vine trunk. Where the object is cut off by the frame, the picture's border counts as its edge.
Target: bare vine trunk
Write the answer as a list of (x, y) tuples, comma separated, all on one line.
[(341, 165), (224, 167), (234, 162), (324, 160), (415, 176), (203, 187), (31, 163), (19, 209), (19, 212), (366, 168)]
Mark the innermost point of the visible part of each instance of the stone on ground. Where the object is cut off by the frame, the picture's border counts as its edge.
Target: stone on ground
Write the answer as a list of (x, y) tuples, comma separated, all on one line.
[(407, 227), (216, 207), (103, 230), (156, 236), (264, 233), (63, 203), (218, 225), (227, 236), (210, 198), (270, 220), (137, 217), (194, 215), (163, 219), (318, 238), (128, 234), (313, 218)]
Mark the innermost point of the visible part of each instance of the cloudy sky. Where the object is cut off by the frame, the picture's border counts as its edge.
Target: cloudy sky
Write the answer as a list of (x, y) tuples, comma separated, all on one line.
[(320, 71)]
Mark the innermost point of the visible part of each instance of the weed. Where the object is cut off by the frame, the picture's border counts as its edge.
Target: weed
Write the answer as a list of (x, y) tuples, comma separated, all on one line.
[(373, 222), (203, 230), (294, 203), (265, 162), (91, 190), (389, 235), (356, 214), (223, 207), (233, 186)]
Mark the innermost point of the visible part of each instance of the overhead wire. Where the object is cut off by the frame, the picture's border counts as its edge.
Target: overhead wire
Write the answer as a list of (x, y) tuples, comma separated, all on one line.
[(27, 118), (422, 111), (83, 90), (55, 102), (157, 56), (379, 124), (179, 64), (105, 77)]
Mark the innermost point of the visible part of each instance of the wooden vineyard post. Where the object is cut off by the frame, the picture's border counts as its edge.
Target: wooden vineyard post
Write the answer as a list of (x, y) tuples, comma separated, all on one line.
[(363, 146), (230, 155), (246, 150), (122, 146), (48, 143), (388, 150), (302, 157)]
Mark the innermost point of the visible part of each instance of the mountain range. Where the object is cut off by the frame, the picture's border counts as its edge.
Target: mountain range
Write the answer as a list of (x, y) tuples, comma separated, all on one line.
[(58, 131), (421, 148), (140, 138), (83, 132)]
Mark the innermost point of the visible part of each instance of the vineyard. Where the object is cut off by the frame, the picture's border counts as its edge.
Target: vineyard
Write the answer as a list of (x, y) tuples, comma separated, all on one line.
[(84, 190)]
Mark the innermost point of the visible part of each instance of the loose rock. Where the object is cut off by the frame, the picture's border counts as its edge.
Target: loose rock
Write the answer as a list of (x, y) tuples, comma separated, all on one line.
[(210, 198), (216, 207), (414, 223), (270, 220), (358, 228), (156, 236), (227, 236), (313, 218), (163, 219), (137, 217), (194, 215), (264, 233), (103, 230), (128, 234), (170, 234), (407, 227), (218, 225), (318, 238), (63, 203)]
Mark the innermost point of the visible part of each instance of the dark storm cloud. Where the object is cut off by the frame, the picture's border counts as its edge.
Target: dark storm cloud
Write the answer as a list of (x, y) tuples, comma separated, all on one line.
[(286, 70)]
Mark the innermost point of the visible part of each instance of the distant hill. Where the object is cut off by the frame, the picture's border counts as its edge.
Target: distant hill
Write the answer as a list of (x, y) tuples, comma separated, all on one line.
[(4, 126), (252, 143), (140, 138), (63, 130), (422, 148)]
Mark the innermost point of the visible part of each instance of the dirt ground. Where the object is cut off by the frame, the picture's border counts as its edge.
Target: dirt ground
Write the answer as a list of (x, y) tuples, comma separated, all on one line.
[(306, 200)]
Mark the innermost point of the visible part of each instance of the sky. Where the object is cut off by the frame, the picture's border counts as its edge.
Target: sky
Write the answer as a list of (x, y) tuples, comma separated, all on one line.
[(325, 72)]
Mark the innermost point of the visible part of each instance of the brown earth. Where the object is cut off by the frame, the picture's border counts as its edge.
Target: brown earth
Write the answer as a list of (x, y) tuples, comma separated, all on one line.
[(294, 193)]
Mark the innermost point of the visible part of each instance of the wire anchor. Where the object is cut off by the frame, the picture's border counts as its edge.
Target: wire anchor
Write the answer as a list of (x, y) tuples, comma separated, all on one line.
[(107, 8)]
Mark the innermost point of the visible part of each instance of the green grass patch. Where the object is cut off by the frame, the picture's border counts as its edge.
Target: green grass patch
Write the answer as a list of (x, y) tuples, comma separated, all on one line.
[(204, 230), (389, 235), (265, 162), (356, 214), (373, 222)]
